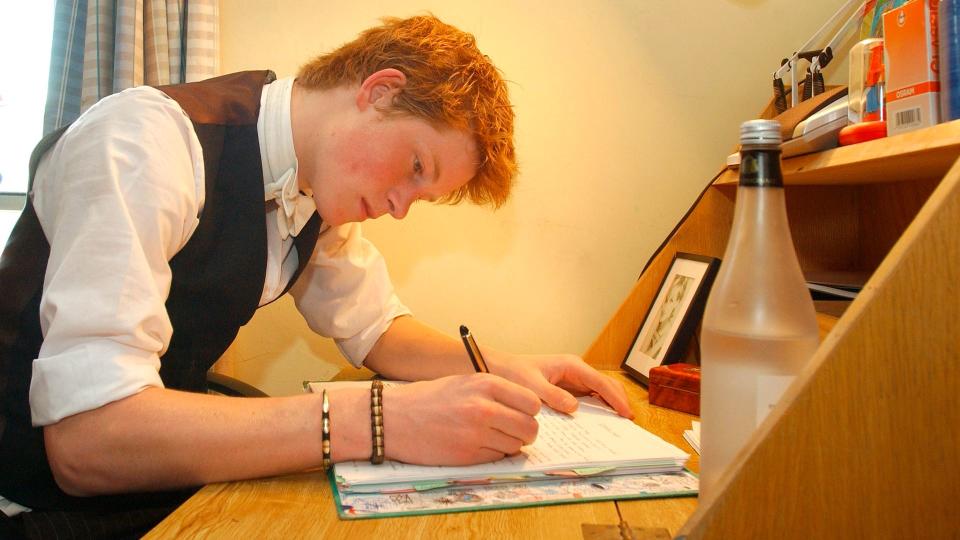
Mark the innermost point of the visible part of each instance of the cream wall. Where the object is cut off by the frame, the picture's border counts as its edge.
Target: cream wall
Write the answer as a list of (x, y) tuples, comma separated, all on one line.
[(625, 110)]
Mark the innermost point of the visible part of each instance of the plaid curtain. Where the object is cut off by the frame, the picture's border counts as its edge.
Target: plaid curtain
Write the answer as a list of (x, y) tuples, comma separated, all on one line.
[(104, 46)]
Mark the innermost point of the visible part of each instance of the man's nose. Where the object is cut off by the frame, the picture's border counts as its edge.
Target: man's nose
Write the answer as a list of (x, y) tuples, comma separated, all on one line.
[(400, 202)]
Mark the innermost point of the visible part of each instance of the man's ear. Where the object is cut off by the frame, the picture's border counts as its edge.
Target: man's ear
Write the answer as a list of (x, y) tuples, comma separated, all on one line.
[(380, 87)]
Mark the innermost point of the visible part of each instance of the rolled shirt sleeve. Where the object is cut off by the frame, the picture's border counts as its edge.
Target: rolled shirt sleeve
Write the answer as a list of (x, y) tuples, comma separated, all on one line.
[(118, 196), (345, 292)]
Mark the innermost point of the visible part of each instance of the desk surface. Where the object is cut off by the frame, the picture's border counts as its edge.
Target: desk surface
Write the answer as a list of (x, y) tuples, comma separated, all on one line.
[(301, 506)]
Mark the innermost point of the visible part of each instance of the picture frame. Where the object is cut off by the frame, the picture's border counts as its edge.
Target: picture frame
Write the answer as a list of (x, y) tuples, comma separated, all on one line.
[(673, 316)]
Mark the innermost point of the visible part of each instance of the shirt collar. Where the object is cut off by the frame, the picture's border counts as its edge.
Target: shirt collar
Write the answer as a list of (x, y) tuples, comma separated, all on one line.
[(279, 159)]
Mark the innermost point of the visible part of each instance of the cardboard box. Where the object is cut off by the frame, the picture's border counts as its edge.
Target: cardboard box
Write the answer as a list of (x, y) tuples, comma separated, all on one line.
[(675, 386), (912, 70)]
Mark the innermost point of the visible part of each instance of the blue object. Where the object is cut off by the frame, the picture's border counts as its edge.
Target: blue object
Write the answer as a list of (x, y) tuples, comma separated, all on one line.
[(949, 35), (873, 100)]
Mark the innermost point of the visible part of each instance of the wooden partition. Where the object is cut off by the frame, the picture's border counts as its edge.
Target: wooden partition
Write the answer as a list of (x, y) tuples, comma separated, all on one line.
[(865, 443)]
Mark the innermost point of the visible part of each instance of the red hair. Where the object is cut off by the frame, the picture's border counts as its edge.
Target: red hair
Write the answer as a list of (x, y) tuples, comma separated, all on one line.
[(448, 82)]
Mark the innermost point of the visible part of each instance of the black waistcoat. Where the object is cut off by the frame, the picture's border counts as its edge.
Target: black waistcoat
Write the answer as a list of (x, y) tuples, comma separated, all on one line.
[(217, 281)]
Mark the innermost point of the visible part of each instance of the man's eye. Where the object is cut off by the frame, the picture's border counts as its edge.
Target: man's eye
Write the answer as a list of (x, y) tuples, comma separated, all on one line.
[(417, 167)]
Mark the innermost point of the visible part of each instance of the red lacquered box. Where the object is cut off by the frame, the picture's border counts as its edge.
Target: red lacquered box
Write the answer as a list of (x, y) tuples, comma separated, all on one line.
[(675, 386)]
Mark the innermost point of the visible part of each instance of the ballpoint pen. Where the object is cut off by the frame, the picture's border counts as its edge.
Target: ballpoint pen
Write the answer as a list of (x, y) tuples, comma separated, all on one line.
[(475, 356)]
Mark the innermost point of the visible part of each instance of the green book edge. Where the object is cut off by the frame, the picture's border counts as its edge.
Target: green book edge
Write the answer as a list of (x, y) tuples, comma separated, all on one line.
[(344, 514)]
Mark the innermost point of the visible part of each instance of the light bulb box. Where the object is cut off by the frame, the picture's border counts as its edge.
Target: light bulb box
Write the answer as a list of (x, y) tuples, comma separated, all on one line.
[(912, 70)]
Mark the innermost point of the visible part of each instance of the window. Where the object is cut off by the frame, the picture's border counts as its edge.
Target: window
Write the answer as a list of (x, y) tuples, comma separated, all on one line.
[(26, 35)]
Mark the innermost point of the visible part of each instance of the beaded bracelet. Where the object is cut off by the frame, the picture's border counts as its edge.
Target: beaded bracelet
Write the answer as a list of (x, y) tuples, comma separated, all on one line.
[(376, 421), (326, 432)]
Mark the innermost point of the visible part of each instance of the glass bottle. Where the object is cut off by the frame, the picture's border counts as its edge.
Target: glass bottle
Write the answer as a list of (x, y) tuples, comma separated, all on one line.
[(759, 327)]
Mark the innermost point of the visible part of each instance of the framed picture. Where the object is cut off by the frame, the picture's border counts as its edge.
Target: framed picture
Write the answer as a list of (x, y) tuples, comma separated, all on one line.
[(674, 315)]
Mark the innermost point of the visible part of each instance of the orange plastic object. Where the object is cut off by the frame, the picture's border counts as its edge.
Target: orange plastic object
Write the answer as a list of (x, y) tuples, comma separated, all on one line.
[(862, 132)]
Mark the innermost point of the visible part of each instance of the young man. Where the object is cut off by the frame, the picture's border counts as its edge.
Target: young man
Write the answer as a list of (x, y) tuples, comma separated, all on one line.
[(147, 244)]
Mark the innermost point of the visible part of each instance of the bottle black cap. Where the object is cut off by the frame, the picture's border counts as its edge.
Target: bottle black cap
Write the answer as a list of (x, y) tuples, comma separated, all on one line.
[(760, 154)]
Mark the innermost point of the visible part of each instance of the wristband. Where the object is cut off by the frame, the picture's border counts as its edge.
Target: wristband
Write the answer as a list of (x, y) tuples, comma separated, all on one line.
[(376, 421), (326, 432)]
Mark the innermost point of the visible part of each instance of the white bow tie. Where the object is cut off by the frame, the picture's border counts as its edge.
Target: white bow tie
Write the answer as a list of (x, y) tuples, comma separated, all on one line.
[(293, 208)]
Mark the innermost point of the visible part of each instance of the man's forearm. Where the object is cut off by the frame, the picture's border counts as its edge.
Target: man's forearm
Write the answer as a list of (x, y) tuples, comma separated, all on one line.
[(162, 439), (410, 350)]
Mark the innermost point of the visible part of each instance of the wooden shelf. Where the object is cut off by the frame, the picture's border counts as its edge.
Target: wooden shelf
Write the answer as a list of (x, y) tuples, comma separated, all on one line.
[(863, 443), (924, 154)]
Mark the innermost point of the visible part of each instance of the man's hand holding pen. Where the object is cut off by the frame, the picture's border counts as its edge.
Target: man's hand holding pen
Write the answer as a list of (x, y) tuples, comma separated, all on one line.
[(486, 409), (458, 420)]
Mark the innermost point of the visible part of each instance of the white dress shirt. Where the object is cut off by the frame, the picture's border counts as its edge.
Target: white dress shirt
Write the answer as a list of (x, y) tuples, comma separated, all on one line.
[(118, 196)]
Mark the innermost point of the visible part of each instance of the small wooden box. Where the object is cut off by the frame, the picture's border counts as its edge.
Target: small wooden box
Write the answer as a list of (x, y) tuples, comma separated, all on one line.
[(675, 386)]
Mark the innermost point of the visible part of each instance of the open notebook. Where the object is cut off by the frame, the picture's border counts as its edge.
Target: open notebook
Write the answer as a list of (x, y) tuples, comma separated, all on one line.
[(593, 441)]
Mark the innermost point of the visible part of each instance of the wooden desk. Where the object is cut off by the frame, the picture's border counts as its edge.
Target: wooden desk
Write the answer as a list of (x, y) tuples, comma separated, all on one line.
[(301, 506)]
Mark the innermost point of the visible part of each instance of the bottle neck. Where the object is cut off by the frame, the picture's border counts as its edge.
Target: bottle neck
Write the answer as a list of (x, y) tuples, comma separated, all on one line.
[(760, 167)]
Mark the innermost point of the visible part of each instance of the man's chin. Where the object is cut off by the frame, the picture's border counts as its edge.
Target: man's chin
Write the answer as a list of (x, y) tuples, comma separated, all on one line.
[(333, 218)]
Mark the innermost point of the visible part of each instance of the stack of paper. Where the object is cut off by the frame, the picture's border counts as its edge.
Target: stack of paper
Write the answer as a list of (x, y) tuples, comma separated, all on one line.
[(592, 441), (692, 436)]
